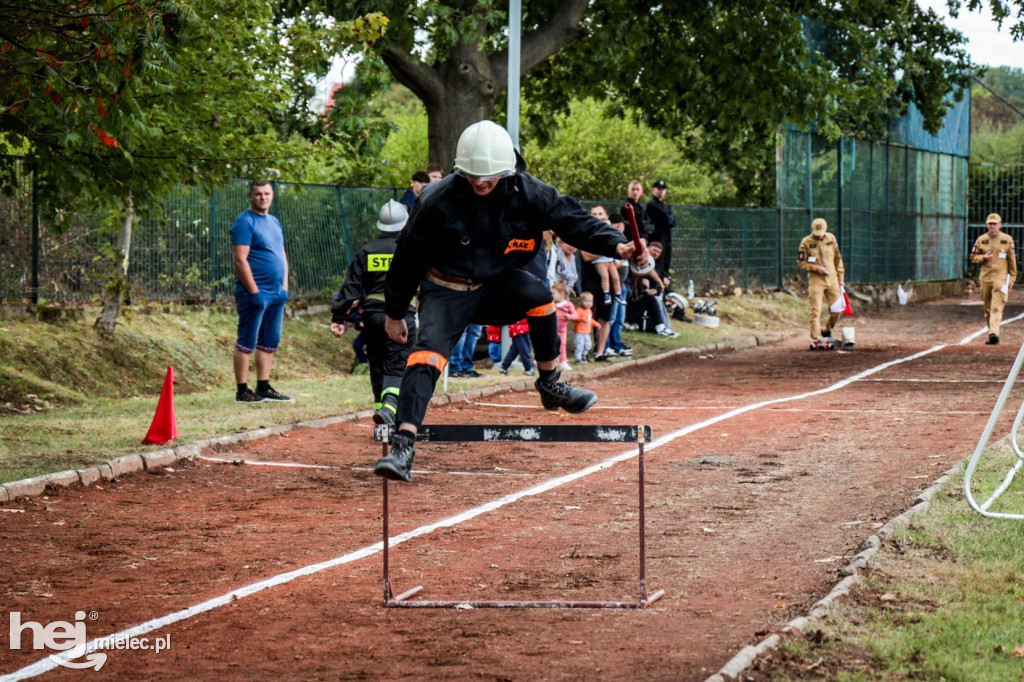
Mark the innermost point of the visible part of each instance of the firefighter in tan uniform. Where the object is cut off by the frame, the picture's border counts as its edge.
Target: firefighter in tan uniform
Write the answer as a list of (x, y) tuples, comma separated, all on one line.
[(819, 256), (994, 251)]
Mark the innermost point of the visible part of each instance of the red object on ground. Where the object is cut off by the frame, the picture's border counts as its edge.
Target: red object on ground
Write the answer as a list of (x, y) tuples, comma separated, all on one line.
[(165, 424), (848, 310)]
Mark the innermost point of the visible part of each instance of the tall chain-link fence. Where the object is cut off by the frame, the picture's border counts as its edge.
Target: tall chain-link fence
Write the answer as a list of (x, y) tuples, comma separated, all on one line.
[(996, 189), (899, 213)]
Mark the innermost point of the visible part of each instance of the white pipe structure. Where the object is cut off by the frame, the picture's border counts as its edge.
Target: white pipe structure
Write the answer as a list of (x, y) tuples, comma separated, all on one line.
[(515, 19), (986, 435)]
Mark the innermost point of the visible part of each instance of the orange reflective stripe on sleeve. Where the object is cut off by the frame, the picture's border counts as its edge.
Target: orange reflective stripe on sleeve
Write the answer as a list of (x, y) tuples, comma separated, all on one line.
[(542, 310), (427, 357)]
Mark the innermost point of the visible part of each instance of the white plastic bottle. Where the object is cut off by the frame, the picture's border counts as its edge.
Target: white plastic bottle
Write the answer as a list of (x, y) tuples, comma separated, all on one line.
[(689, 290)]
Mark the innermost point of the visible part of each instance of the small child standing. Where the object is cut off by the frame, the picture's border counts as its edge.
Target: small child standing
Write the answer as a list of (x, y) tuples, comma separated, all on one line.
[(581, 340), (520, 335), (494, 345), (565, 311)]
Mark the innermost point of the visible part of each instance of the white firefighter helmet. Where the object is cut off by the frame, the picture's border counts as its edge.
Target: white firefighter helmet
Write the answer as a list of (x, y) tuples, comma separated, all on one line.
[(676, 301), (485, 150), (392, 217)]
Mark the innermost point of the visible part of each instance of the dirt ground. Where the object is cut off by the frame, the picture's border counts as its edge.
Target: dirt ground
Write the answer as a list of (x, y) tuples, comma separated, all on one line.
[(749, 519)]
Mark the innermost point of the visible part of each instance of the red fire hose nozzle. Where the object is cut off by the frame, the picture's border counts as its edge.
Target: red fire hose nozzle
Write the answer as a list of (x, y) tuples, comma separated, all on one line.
[(634, 234)]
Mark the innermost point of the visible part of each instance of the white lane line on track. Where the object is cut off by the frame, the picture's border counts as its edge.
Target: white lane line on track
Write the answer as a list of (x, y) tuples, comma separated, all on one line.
[(46, 664), (297, 465), (685, 408)]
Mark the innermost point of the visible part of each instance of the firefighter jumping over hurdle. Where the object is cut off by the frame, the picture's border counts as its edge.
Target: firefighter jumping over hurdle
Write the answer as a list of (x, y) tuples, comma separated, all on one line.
[(468, 237)]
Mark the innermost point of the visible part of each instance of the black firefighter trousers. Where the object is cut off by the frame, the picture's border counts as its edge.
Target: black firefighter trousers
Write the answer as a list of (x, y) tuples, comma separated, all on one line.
[(444, 314)]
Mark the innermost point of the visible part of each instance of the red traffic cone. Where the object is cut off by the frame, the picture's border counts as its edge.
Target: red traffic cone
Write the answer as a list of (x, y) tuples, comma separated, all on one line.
[(165, 424)]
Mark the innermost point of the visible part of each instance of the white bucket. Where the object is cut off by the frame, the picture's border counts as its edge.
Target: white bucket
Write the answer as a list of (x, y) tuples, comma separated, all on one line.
[(709, 321), (848, 336)]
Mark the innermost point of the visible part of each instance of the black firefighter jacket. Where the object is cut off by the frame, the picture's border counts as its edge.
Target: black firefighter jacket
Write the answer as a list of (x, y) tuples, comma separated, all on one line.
[(462, 235)]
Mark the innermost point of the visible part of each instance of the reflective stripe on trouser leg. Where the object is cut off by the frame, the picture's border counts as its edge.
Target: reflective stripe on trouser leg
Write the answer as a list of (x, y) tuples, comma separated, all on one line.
[(418, 386)]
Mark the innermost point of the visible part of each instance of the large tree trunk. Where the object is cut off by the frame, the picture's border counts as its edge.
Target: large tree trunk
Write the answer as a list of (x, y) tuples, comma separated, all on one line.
[(463, 88), (116, 287)]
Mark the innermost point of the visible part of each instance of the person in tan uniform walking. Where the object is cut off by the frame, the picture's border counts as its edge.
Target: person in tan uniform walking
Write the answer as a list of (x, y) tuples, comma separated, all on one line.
[(819, 256), (994, 251)]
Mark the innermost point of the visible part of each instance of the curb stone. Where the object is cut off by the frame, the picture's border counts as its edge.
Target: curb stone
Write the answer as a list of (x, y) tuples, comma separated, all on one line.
[(150, 460), (743, 660)]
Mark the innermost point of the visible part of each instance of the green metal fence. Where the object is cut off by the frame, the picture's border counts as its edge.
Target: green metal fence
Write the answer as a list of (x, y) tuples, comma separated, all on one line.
[(184, 252), (996, 189), (899, 213)]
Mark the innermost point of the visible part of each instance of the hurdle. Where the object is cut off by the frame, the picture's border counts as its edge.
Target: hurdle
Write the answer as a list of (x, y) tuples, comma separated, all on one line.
[(540, 433), (972, 464)]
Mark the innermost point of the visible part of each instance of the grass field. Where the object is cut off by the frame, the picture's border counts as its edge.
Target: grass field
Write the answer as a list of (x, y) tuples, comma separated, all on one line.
[(942, 600)]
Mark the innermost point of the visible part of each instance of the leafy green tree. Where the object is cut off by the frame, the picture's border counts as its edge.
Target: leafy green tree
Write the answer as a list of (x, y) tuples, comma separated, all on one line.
[(721, 76), (170, 93), (594, 155)]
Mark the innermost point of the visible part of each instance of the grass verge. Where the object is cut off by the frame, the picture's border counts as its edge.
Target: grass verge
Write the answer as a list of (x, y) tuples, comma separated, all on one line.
[(942, 600), (70, 398)]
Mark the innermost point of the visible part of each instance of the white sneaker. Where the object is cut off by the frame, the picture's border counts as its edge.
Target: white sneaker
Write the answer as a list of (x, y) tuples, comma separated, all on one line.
[(565, 366)]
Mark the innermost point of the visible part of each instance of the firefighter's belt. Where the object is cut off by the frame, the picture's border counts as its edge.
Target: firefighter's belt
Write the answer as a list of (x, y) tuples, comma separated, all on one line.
[(453, 283)]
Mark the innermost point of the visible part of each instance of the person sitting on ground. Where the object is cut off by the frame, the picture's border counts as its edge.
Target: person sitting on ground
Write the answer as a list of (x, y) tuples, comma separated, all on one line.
[(566, 312), (646, 309), (585, 324), (519, 333), (660, 275)]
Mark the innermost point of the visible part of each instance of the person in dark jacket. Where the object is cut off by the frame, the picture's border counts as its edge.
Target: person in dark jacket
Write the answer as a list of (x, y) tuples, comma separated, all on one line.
[(664, 223), (468, 238), (634, 193), (365, 284)]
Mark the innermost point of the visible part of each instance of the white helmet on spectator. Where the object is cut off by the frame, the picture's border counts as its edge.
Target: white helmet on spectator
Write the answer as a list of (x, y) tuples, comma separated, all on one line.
[(485, 150), (392, 217)]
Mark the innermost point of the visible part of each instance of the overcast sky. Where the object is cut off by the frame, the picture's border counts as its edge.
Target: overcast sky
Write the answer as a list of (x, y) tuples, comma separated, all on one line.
[(986, 44)]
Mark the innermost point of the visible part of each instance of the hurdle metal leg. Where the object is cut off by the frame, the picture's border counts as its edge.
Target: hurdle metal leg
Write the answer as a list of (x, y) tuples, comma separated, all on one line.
[(509, 434)]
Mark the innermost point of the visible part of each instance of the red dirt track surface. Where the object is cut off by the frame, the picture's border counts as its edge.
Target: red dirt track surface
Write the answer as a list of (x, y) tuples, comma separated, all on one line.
[(748, 522)]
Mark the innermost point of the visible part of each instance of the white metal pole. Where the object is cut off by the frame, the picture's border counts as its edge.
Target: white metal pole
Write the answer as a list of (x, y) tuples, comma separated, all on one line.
[(515, 10)]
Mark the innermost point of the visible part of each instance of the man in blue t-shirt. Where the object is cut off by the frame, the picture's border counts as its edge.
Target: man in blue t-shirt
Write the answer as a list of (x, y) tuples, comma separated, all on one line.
[(261, 290)]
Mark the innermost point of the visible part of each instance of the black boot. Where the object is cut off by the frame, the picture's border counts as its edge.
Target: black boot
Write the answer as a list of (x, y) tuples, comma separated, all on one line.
[(398, 464), (556, 394), (993, 340), (387, 411)]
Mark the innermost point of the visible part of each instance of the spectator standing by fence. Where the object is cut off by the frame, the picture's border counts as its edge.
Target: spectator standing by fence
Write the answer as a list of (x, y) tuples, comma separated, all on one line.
[(419, 178), (663, 223), (261, 291)]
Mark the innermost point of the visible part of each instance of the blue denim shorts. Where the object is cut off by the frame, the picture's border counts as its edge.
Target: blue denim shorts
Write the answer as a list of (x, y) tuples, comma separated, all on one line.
[(259, 320)]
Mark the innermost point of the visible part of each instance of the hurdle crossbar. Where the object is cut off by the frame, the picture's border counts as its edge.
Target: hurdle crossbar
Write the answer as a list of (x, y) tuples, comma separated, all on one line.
[(505, 433)]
